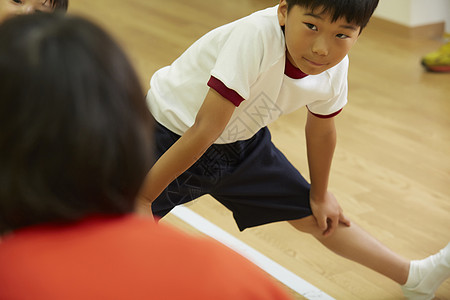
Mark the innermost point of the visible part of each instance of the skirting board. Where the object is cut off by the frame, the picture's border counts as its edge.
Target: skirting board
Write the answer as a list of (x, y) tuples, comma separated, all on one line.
[(430, 31)]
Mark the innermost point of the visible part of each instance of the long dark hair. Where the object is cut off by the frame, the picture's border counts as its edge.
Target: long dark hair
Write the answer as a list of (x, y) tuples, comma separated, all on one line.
[(75, 131)]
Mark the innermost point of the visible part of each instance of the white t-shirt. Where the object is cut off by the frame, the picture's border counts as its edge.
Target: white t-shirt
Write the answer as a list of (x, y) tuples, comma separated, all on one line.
[(245, 61)]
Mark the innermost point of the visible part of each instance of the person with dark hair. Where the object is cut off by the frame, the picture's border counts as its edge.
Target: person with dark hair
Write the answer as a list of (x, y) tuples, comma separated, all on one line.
[(75, 146), (213, 105), (9, 8)]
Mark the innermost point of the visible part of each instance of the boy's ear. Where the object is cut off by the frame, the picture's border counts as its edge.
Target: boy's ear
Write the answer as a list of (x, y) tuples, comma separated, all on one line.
[(282, 12)]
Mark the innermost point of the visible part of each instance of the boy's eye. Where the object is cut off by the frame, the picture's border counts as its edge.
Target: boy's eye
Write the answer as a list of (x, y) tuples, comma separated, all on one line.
[(311, 26), (17, 1), (342, 36)]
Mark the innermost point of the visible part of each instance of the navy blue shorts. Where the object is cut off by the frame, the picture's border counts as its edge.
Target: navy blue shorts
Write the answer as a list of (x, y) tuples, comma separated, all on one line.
[(252, 178)]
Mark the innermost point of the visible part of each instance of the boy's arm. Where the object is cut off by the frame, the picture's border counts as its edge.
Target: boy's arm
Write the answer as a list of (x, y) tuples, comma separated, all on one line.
[(321, 142), (211, 120)]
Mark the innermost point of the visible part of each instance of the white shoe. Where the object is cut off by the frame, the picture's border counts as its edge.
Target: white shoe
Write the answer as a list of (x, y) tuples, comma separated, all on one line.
[(427, 275)]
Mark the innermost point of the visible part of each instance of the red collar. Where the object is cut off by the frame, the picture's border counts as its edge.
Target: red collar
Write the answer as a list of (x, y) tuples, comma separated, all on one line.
[(291, 71)]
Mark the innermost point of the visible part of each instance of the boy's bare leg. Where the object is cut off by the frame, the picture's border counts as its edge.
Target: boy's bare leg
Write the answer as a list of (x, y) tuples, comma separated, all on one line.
[(357, 245), (419, 278)]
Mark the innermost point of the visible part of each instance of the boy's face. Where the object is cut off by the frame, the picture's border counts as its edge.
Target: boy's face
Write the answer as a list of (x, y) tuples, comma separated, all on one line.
[(9, 8), (315, 44)]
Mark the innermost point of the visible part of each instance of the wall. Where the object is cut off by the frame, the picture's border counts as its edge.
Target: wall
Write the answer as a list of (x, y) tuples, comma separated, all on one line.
[(413, 13)]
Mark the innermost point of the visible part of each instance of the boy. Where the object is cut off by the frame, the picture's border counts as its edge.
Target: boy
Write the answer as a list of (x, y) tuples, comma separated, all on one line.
[(9, 8), (74, 150), (213, 105)]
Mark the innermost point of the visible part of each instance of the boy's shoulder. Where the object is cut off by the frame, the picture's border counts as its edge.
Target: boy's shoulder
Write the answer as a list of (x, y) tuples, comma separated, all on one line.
[(263, 19), (260, 22), (260, 31)]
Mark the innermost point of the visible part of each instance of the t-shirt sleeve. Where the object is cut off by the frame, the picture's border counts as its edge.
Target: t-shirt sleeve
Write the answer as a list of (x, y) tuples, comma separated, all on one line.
[(331, 107), (239, 62), (338, 80), (224, 91)]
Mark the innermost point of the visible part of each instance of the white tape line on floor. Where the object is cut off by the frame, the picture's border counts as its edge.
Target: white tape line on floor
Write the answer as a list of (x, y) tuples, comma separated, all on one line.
[(285, 276)]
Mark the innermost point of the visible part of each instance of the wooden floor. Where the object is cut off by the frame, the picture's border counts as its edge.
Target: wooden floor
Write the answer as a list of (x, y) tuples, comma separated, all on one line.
[(391, 171)]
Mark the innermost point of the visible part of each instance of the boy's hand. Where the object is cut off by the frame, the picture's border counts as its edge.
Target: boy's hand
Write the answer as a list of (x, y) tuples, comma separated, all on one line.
[(328, 213)]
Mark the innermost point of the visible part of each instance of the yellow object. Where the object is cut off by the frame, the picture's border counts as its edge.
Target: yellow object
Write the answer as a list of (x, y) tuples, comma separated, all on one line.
[(439, 60)]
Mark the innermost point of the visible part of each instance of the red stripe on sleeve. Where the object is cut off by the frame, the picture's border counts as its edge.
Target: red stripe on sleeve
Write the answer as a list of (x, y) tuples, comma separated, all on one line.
[(224, 91), (326, 116)]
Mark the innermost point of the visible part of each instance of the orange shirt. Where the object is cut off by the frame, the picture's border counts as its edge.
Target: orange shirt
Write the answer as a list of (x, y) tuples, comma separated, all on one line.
[(127, 257)]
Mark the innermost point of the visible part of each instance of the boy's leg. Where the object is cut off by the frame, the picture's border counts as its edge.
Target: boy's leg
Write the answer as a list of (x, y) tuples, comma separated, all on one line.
[(265, 187), (357, 245), (420, 279)]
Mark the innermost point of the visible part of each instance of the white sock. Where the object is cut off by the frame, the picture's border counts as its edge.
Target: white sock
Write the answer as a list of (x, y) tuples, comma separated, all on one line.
[(426, 275)]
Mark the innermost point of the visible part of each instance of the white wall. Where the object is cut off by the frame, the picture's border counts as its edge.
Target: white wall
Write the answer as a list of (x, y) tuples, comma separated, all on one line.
[(415, 12)]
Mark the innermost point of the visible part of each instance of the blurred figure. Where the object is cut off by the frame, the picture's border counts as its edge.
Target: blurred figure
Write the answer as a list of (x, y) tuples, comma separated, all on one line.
[(75, 146)]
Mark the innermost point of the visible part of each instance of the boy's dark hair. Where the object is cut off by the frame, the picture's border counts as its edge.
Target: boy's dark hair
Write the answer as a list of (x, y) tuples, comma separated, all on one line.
[(75, 130), (59, 4), (354, 11)]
